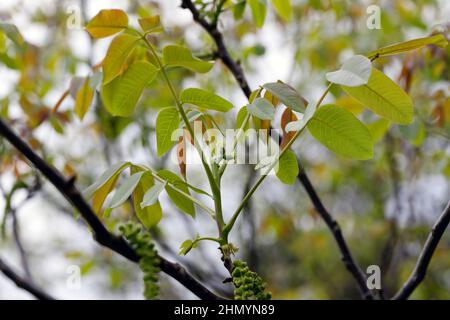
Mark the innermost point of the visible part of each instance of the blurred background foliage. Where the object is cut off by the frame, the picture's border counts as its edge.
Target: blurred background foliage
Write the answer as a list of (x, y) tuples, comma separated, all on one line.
[(385, 206)]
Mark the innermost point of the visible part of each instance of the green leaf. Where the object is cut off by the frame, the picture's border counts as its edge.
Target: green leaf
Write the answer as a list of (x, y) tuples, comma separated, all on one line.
[(107, 22), (2, 42), (384, 97), (262, 109), (239, 9), (180, 200), (121, 95), (104, 178), (13, 33), (178, 56), (437, 39), (241, 117), (340, 131), (259, 10), (166, 123), (118, 52), (288, 168), (300, 124), (150, 215), (354, 72), (205, 99), (185, 247), (378, 129), (151, 24), (152, 194), (287, 95), (283, 9), (100, 189), (125, 190), (84, 99)]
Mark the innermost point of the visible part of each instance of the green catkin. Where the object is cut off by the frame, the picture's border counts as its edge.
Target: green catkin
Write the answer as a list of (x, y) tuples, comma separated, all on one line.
[(141, 242), (249, 285)]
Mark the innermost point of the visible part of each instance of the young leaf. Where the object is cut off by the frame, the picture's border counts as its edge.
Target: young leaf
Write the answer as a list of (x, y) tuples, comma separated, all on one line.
[(262, 109), (2, 42), (118, 52), (288, 168), (283, 9), (151, 24), (13, 33), (150, 215), (166, 123), (100, 189), (300, 124), (84, 99), (205, 99), (104, 178), (384, 97), (378, 129), (241, 117), (178, 56), (287, 95), (180, 200), (125, 190), (107, 23), (287, 117), (151, 196), (185, 247), (239, 9), (340, 131), (121, 95), (354, 72), (437, 39), (258, 8)]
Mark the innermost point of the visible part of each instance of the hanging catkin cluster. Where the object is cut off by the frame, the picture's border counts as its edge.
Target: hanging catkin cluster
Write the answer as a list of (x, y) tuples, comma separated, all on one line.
[(149, 263), (249, 286)]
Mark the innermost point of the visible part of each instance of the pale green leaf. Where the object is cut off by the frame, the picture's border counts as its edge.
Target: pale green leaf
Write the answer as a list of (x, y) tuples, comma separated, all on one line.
[(354, 72), (262, 109), (166, 123), (384, 97), (178, 56), (300, 124), (84, 99), (205, 99), (152, 194), (259, 10), (150, 215), (105, 177), (180, 200), (437, 39), (340, 131), (287, 95), (240, 118), (121, 95), (283, 9), (378, 129), (125, 190), (288, 167), (107, 23), (118, 52), (13, 33), (151, 24)]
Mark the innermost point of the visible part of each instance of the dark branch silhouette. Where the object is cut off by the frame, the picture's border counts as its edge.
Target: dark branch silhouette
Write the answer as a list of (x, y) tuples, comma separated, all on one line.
[(428, 250), (238, 73), (23, 283), (67, 188)]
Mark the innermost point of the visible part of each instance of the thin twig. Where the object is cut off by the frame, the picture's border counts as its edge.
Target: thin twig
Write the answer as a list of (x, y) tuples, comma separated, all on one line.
[(67, 188), (428, 250), (23, 283)]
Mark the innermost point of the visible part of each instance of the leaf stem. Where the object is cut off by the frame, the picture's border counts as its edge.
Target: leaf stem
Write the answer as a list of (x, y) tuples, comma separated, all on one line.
[(249, 194)]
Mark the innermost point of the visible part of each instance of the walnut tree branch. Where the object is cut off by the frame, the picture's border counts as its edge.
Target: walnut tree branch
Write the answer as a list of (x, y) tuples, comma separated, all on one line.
[(239, 75), (428, 250), (67, 188), (23, 283)]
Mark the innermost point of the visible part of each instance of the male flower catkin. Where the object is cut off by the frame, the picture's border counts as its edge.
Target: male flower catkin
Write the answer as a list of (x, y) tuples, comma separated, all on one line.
[(249, 285), (149, 263)]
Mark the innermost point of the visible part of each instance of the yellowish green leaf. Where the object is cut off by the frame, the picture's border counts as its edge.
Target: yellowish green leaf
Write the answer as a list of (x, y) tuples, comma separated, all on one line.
[(178, 56), (384, 97), (107, 22), (205, 99), (84, 99), (166, 123)]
